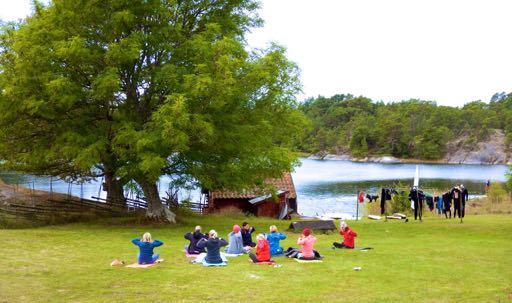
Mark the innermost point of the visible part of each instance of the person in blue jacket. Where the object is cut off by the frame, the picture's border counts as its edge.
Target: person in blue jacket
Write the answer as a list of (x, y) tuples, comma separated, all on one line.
[(273, 238), (146, 245)]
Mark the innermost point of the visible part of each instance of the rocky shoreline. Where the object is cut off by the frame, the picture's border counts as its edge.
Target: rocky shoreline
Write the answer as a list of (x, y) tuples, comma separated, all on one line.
[(394, 160), (493, 150)]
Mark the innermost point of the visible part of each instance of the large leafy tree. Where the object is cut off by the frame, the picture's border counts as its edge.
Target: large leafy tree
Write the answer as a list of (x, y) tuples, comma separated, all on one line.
[(134, 89)]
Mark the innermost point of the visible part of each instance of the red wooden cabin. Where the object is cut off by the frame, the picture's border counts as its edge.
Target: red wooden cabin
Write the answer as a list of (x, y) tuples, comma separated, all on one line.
[(258, 202)]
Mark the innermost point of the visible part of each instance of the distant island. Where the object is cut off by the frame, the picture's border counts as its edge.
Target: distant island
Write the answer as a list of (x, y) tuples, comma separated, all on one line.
[(346, 127)]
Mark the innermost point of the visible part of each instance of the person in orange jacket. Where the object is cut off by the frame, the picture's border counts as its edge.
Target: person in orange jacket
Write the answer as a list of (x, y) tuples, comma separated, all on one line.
[(348, 237), (262, 250)]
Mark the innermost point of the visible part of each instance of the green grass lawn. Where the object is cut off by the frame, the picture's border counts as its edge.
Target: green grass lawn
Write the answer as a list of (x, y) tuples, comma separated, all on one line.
[(435, 261)]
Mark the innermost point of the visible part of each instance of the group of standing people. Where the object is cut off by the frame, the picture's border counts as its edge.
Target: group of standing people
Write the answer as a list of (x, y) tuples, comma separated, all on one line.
[(240, 242)]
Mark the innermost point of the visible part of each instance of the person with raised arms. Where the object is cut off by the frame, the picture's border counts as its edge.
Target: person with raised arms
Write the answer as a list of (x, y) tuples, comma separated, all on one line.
[(306, 242), (348, 237), (212, 245), (146, 246), (194, 237), (273, 239)]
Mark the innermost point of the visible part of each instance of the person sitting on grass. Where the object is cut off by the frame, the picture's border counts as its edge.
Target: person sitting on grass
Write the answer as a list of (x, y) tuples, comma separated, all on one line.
[(247, 231), (262, 250), (212, 245), (348, 237), (273, 239), (236, 245), (146, 245), (194, 238), (306, 242)]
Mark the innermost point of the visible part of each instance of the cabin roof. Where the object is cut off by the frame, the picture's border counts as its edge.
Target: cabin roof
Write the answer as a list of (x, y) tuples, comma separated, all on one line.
[(284, 184)]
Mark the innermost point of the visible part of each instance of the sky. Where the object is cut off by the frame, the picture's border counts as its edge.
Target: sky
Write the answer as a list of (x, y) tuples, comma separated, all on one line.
[(449, 51)]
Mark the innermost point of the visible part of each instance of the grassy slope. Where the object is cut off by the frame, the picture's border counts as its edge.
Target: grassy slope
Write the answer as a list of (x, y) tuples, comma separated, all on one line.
[(433, 261)]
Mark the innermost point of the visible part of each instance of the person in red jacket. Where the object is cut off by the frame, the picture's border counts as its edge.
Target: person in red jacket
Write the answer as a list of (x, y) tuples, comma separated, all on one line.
[(348, 237), (262, 250)]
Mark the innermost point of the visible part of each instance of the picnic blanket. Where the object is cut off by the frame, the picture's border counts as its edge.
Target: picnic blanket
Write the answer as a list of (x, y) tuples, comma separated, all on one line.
[(264, 263), (231, 255), (137, 265), (206, 264), (190, 255), (200, 258), (308, 261)]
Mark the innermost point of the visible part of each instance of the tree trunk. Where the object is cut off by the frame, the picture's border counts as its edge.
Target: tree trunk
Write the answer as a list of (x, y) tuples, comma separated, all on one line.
[(115, 192), (156, 210)]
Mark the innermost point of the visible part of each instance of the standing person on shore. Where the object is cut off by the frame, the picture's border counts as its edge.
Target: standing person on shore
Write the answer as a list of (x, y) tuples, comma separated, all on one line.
[(348, 237)]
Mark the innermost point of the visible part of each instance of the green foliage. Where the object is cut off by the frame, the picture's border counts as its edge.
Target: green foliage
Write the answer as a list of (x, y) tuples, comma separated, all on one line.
[(509, 178), (400, 203), (497, 193), (141, 88), (407, 129)]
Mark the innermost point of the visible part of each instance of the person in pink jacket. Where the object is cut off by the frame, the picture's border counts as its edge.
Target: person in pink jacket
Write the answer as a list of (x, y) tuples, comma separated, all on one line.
[(306, 242)]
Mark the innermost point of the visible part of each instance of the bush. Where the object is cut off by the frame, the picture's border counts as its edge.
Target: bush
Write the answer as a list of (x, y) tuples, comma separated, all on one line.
[(509, 179), (497, 193), (400, 203)]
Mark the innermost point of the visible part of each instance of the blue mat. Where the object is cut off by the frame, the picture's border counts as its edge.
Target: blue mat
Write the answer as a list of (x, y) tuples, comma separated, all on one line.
[(214, 264)]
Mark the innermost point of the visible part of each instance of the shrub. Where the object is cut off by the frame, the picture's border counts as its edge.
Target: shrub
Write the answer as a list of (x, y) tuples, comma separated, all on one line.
[(497, 193)]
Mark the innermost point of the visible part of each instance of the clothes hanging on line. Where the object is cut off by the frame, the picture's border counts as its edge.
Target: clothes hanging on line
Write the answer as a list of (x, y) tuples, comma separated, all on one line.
[(417, 197), (439, 204), (385, 195), (456, 195), (447, 204)]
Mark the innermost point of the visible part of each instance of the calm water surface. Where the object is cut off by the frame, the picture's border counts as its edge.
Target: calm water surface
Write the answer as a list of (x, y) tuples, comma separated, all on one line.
[(323, 186), (326, 186)]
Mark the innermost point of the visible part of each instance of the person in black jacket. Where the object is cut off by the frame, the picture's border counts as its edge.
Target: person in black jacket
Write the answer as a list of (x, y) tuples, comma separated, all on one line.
[(212, 245), (247, 231), (464, 198), (194, 238)]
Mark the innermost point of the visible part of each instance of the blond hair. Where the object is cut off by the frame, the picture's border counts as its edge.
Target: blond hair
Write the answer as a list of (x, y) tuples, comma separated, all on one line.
[(146, 237), (260, 236), (212, 233), (273, 228), (198, 228)]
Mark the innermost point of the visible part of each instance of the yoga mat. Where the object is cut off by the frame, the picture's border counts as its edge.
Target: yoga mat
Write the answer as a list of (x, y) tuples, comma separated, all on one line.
[(308, 261), (214, 265), (137, 265)]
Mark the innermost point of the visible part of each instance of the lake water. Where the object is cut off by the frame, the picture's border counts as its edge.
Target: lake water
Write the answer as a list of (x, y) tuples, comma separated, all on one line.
[(323, 186), (327, 186)]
